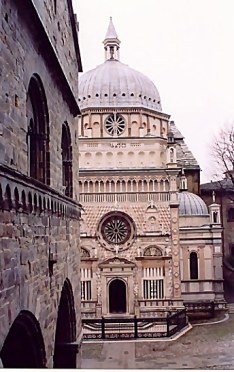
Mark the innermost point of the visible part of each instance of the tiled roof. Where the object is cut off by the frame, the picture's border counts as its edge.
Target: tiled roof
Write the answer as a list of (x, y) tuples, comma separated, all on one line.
[(185, 157), (225, 184)]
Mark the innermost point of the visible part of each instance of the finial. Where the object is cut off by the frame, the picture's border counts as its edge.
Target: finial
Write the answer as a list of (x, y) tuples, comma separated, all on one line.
[(111, 42), (213, 196)]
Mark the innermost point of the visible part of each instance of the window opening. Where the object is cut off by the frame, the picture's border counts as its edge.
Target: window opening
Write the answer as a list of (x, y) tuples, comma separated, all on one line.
[(67, 178), (193, 265), (38, 131)]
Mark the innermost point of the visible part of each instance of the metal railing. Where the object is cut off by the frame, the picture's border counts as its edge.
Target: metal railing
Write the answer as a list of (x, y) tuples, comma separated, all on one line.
[(134, 328)]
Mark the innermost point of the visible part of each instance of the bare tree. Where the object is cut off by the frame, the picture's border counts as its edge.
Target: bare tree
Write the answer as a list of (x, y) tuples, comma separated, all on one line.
[(223, 154)]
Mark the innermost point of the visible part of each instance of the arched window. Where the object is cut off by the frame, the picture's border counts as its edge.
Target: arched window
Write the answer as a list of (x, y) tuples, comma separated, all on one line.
[(231, 215), (215, 217), (38, 131), (193, 265), (66, 160), (171, 155)]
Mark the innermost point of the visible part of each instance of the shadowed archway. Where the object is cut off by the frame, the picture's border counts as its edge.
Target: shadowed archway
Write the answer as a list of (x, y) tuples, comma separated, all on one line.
[(65, 346), (24, 345)]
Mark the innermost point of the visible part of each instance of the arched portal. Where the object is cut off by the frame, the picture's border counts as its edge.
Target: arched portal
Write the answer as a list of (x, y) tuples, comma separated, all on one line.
[(117, 297), (65, 337), (24, 345)]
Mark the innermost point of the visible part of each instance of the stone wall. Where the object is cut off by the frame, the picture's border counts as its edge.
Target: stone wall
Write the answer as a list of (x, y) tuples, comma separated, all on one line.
[(39, 225), (29, 241), (20, 59), (56, 18)]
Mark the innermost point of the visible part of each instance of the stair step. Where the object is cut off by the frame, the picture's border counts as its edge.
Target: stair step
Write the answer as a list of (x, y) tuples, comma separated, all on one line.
[(230, 308)]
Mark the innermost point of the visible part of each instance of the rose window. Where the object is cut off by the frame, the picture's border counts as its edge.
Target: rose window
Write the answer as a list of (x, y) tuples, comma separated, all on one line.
[(116, 229), (115, 125)]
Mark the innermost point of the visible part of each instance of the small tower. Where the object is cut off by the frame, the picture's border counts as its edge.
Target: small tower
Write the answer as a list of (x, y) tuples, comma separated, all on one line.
[(183, 182), (111, 43), (171, 150), (214, 210)]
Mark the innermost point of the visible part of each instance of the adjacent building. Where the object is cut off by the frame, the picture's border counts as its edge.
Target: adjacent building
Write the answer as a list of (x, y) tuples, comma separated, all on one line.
[(39, 210), (223, 192), (149, 244)]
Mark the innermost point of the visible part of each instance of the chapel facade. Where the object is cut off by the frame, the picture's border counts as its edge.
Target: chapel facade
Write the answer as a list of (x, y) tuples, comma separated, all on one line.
[(149, 244)]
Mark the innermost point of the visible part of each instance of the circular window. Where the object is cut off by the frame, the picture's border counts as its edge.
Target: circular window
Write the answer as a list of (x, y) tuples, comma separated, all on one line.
[(116, 229), (115, 125)]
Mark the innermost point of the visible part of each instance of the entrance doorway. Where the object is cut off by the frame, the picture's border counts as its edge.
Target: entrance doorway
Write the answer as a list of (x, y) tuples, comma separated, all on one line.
[(117, 297)]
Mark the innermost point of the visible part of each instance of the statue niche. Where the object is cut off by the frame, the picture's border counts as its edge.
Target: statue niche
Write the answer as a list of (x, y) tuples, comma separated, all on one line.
[(151, 223)]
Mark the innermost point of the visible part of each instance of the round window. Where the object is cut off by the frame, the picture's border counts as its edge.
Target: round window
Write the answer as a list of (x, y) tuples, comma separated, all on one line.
[(116, 229), (115, 124)]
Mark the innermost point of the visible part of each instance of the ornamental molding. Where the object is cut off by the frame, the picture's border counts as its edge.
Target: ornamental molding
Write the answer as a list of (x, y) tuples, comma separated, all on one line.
[(116, 261), (153, 251)]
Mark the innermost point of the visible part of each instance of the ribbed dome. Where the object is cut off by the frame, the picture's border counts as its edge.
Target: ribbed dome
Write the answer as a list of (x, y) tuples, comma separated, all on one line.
[(114, 84), (191, 204)]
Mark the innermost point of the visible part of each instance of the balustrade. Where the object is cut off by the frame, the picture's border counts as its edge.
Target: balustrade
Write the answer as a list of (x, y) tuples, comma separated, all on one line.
[(132, 197)]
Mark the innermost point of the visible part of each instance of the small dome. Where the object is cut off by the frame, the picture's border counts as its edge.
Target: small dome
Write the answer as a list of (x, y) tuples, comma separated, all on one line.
[(191, 204), (114, 84)]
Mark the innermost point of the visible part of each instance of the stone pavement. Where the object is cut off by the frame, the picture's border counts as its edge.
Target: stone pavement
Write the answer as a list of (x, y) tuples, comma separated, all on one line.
[(203, 347)]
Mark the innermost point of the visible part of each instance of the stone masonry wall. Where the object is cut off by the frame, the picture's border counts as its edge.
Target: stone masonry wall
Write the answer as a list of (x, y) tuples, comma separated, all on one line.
[(25, 281), (58, 25), (29, 233), (20, 59)]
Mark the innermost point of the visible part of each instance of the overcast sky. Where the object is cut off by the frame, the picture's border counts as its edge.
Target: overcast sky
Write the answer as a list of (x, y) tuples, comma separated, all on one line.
[(186, 47)]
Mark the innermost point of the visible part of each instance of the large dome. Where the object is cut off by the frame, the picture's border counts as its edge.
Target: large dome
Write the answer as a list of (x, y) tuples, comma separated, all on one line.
[(114, 84), (191, 204)]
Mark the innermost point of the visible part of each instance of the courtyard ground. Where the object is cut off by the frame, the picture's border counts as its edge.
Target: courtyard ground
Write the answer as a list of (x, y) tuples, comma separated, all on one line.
[(203, 347)]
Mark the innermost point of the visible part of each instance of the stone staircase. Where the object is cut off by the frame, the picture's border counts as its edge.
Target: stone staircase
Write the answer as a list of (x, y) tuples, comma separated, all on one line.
[(230, 308)]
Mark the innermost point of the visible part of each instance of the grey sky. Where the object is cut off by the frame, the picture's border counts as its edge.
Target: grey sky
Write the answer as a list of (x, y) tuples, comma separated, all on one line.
[(185, 46)]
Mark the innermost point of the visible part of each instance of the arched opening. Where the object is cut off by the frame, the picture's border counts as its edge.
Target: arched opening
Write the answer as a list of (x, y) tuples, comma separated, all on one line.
[(215, 217), (117, 297), (1, 198), (230, 215), (38, 131), (193, 265), (8, 200), (66, 160), (65, 347), (24, 345)]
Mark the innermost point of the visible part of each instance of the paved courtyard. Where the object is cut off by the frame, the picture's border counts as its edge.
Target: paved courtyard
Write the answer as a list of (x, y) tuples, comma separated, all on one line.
[(203, 347)]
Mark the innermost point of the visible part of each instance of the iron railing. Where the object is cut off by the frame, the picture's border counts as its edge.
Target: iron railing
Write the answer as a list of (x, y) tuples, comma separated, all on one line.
[(134, 328)]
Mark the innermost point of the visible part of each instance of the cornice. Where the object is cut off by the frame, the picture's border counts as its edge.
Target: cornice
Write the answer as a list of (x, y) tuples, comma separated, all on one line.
[(127, 110)]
